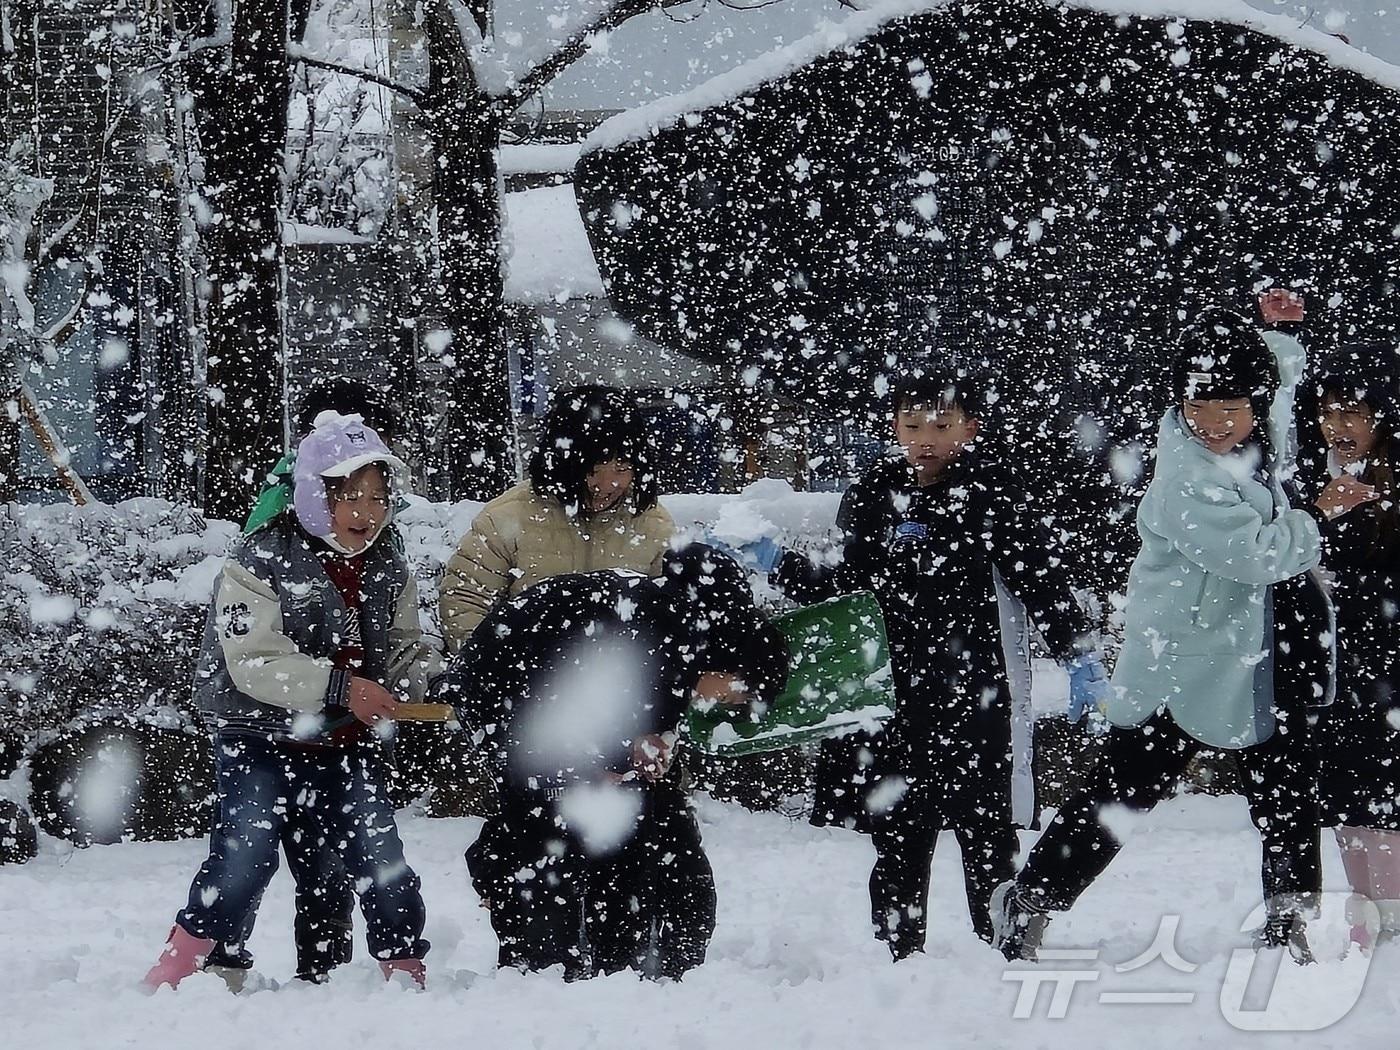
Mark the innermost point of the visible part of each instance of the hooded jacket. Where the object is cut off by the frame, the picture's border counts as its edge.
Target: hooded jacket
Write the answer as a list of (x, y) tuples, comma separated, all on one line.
[(1217, 534), (276, 623)]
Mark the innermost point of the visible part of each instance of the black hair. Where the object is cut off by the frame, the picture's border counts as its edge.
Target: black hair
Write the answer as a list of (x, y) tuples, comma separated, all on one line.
[(348, 397), (935, 386), (585, 427), (1220, 356), (1364, 372), (712, 591)]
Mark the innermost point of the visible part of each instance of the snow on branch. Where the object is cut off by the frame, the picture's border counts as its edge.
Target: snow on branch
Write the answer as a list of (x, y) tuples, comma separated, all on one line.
[(491, 73), (297, 53)]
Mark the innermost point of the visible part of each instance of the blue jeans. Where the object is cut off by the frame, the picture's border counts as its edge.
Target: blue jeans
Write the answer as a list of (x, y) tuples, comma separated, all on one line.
[(341, 795), (324, 929)]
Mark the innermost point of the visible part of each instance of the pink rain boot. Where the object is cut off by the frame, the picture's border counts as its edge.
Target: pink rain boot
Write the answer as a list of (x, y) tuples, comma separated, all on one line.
[(184, 954), (413, 967), (1364, 919)]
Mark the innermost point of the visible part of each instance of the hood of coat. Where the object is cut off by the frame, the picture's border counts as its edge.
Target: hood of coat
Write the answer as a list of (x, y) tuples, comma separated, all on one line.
[(339, 446)]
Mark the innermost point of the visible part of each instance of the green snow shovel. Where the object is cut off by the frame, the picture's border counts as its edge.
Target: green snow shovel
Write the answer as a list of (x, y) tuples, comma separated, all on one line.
[(839, 680)]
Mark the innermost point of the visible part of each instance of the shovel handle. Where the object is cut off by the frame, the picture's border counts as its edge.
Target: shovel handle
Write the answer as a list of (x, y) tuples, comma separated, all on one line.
[(424, 713)]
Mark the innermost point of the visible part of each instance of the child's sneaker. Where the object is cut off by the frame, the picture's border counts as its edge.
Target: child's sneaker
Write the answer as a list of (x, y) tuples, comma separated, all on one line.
[(1289, 930), (184, 954), (1016, 929)]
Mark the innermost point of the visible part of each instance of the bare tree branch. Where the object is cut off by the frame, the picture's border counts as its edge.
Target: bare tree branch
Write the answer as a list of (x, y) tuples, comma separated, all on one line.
[(418, 98), (572, 49)]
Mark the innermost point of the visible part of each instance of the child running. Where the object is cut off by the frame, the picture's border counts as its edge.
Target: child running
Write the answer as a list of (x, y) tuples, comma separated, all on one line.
[(1198, 667), (953, 549)]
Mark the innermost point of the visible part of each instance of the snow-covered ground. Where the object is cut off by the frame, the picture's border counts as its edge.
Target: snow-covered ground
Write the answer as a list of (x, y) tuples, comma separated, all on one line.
[(792, 963)]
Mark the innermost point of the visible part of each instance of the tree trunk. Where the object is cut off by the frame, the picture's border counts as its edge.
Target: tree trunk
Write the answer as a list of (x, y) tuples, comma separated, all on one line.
[(17, 66), (241, 115), (477, 429)]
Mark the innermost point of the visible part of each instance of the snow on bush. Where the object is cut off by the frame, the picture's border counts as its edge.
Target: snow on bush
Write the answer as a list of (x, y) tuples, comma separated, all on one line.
[(101, 607), (100, 610)]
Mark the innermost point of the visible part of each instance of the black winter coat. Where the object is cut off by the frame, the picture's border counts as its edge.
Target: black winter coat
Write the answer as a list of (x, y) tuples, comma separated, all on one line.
[(932, 557), (560, 680), (1359, 735)]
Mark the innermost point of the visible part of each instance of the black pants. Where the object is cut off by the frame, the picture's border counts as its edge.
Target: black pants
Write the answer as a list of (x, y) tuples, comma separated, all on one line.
[(1141, 766), (904, 839), (649, 905)]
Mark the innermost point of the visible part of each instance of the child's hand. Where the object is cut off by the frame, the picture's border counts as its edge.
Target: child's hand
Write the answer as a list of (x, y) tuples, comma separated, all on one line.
[(370, 702), (1343, 495), (1088, 685), (651, 755), (718, 687), (1280, 306)]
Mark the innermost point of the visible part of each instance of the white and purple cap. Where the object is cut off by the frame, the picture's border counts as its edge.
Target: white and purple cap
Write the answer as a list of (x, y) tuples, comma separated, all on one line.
[(336, 448)]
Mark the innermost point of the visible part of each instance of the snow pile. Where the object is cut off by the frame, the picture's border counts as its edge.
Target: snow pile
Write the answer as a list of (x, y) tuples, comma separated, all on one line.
[(792, 963)]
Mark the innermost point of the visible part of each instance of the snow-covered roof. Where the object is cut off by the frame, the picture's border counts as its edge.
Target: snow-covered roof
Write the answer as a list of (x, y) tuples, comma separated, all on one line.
[(548, 257), (538, 158), (655, 116)]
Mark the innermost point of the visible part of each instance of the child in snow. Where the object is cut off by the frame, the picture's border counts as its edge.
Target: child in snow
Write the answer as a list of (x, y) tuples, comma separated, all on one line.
[(589, 503), (1197, 669), (1349, 437), (955, 553), (324, 926), (313, 628), (576, 687)]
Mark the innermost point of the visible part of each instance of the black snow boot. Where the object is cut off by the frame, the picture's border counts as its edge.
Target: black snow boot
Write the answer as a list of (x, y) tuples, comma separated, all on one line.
[(322, 945)]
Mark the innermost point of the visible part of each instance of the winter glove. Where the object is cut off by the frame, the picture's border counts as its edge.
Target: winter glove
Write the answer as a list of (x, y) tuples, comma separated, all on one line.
[(761, 555), (1088, 685)]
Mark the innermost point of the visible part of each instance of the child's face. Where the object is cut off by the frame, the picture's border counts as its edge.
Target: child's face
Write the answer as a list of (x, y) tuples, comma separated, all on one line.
[(1348, 427), (359, 507), (933, 437), (608, 485), (1220, 425)]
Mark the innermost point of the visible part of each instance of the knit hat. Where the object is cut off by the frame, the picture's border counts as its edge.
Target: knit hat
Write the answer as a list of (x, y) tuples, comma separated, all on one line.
[(1221, 356), (336, 448)]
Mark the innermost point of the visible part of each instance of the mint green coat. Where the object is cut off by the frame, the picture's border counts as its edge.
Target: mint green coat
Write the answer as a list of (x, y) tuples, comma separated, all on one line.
[(1198, 620)]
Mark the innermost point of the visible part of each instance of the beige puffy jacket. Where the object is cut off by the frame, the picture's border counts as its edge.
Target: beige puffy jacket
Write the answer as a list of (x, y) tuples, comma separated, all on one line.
[(519, 539)]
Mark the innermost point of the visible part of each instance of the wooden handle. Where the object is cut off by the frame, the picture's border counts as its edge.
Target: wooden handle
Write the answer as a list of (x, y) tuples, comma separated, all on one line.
[(424, 713)]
